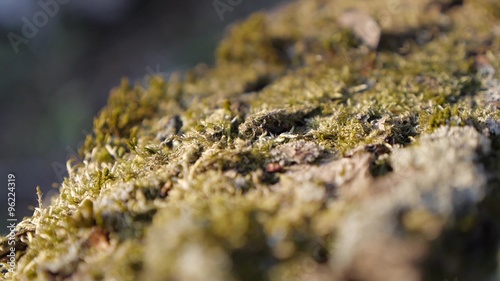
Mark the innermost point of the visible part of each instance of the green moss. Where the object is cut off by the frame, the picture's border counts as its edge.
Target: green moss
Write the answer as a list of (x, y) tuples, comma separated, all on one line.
[(280, 161), (251, 41)]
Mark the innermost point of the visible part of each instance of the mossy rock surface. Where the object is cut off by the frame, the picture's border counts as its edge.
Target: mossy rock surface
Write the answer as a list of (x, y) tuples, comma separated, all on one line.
[(303, 154)]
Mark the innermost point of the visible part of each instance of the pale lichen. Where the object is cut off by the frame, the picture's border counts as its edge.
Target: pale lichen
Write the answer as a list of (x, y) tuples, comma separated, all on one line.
[(301, 155)]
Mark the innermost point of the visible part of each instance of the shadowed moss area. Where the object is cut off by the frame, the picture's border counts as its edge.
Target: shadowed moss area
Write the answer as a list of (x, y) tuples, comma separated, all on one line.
[(301, 155)]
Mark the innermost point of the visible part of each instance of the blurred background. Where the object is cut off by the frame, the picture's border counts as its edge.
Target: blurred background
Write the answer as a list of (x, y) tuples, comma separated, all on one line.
[(60, 58)]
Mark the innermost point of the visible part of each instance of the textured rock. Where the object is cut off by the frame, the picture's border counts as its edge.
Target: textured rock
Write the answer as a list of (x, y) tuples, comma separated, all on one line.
[(306, 153)]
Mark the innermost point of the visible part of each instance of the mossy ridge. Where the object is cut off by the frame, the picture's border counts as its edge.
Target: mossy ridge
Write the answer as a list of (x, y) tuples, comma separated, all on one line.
[(278, 80)]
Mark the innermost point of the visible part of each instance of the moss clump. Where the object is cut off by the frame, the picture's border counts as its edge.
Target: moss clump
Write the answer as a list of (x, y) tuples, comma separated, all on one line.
[(301, 155), (275, 122)]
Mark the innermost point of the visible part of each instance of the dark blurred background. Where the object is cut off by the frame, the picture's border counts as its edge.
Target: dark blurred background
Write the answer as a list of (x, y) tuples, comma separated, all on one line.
[(60, 58)]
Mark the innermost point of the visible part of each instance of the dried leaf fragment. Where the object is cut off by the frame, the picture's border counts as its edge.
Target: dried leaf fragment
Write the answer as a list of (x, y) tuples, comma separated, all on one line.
[(99, 239)]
